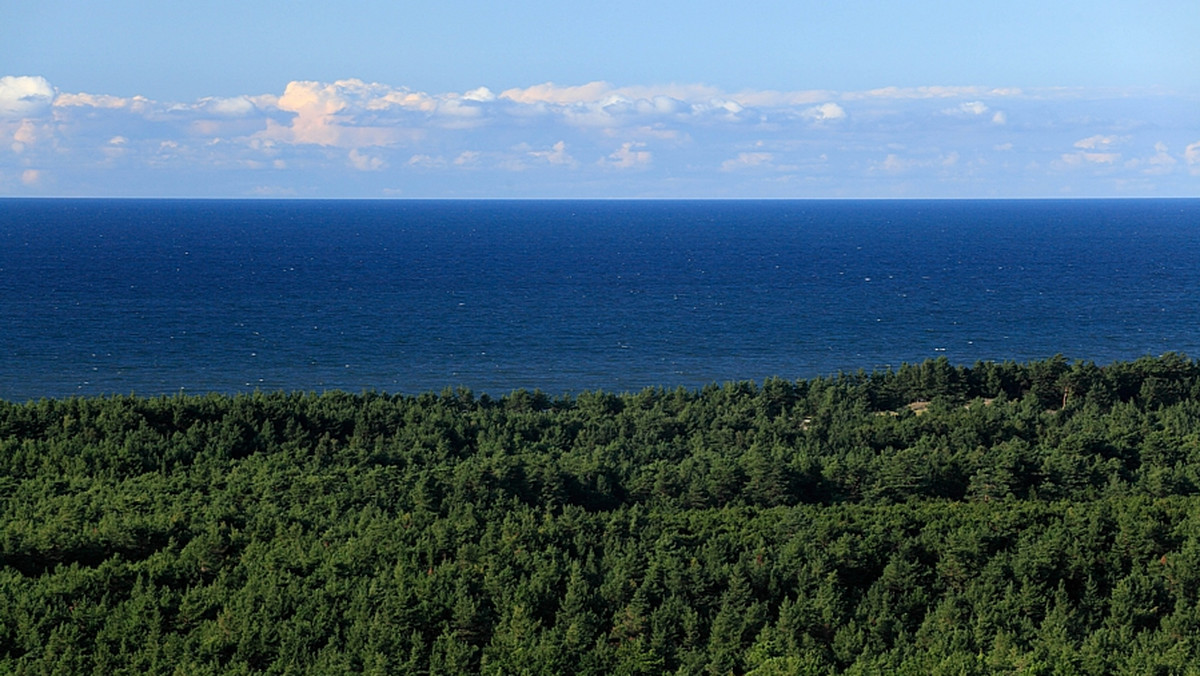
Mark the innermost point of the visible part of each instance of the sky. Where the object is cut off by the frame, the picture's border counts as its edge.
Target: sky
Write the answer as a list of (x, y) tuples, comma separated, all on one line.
[(540, 99)]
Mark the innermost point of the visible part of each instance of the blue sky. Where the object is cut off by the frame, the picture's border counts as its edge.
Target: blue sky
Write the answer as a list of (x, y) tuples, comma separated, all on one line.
[(623, 99)]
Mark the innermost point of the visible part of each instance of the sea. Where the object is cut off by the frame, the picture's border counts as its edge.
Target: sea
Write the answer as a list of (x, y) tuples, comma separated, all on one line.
[(163, 296)]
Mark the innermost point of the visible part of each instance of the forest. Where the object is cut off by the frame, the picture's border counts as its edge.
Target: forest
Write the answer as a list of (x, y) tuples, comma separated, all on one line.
[(1033, 518)]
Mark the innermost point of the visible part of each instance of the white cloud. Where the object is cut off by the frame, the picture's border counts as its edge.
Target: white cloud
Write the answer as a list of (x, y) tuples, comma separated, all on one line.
[(1097, 141), (679, 92), (31, 177), (24, 96), (402, 98), (825, 112), (551, 93), (482, 94), (617, 110), (366, 162), (272, 191), (1192, 153), (755, 160), (600, 105), (747, 161), (1094, 150), (117, 146), (557, 155), (661, 105), (893, 164), (976, 109), (699, 135), (929, 93), (1081, 158), (467, 158), (26, 135), (237, 106), (315, 106), (95, 101), (1161, 163), (325, 114), (426, 162), (660, 132), (778, 99), (727, 105), (459, 113), (628, 156)]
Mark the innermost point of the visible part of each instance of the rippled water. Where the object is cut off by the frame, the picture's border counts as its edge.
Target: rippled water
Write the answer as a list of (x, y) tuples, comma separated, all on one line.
[(158, 296)]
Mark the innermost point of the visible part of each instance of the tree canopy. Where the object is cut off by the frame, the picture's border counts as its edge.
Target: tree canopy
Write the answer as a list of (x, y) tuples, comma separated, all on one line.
[(1040, 517)]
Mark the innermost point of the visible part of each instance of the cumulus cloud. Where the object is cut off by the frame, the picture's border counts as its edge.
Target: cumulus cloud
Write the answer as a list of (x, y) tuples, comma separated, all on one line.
[(523, 157), (893, 163), (1191, 154), (459, 113), (971, 108), (597, 91), (679, 92), (315, 106), (422, 161), (27, 134), (930, 93), (105, 101), (778, 99), (365, 162), (116, 146), (237, 106), (401, 98), (1097, 141), (1159, 164), (1096, 150), (628, 156), (24, 96), (976, 109), (357, 114), (549, 92), (757, 160), (686, 133), (748, 161), (482, 94), (825, 112), (272, 191), (467, 158), (326, 115), (557, 155), (1082, 158), (600, 105)]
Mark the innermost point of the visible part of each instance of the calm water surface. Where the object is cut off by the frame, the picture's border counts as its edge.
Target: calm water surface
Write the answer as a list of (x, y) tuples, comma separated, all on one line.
[(162, 296)]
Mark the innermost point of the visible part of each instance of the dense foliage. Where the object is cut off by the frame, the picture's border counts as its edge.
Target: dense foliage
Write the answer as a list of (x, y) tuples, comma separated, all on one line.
[(1036, 518)]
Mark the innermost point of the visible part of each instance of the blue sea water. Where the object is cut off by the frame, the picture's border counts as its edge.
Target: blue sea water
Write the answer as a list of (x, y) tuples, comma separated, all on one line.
[(162, 296)]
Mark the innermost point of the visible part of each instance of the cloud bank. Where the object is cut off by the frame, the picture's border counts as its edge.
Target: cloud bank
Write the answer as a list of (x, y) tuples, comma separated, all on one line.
[(351, 138), (24, 96)]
